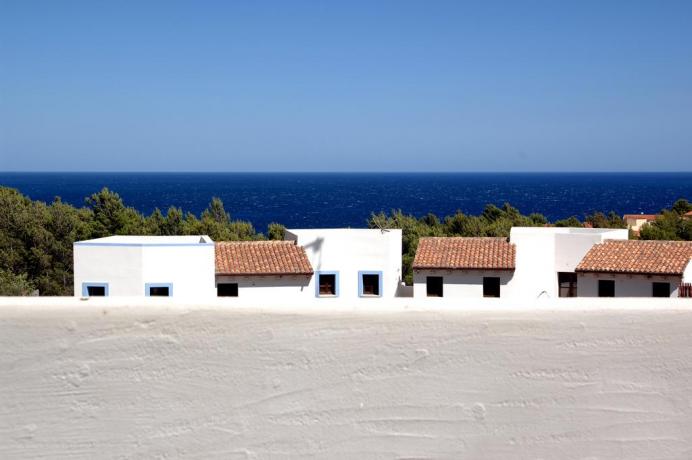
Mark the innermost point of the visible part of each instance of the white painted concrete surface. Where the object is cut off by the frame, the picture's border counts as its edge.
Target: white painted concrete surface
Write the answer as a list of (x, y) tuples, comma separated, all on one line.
[(155, 378), (128, 263)]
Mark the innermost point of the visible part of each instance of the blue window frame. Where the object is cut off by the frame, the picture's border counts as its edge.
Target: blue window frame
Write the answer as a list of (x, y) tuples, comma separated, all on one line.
[(370, 284), (94, 289), (158, 289), (327, 284)]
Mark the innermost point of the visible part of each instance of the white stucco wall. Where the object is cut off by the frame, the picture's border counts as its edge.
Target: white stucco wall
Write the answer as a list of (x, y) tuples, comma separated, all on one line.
[(148, 378), (687, 274), (269, 287), (348, 251), (129, 263), (460, 283), (625, 285)]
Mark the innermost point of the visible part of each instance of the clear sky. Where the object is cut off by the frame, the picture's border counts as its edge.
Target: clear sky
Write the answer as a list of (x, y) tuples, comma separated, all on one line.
[(345, 86)]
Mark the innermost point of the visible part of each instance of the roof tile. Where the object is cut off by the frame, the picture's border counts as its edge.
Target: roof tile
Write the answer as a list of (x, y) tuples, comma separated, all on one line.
[(465, 253), (638, 256), (261, 258)]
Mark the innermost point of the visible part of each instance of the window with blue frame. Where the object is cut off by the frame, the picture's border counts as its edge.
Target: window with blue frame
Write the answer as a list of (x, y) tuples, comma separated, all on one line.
[(94, 289), (370, 284), (158, 289), (327, 284)]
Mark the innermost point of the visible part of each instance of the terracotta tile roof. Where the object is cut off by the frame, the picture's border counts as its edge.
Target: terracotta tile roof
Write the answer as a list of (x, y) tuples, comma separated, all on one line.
[(465, 253), (640, 216), (637, 256), (261, 258)]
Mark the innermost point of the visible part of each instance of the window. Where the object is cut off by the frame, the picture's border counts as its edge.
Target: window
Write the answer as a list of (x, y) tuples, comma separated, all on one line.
[(158, 290), (606, 288), (491, 286), (327, 284), (370, 284), (660, 289), (227, 290), (567, 282), (94, 289), (434, 286)]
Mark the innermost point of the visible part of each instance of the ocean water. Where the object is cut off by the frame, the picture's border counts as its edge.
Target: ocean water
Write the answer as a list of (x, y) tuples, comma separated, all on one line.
[(310, 200)]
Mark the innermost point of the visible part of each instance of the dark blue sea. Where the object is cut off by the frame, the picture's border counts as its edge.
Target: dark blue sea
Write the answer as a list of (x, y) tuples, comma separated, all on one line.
[(304, 200)]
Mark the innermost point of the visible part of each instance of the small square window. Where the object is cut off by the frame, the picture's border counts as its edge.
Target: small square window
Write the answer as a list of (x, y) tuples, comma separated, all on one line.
[(660, 289), (96, 291), (371, 284), (227, 290), (159, 291), (434, 286), (327, 284), (491, 286), (606, 288)]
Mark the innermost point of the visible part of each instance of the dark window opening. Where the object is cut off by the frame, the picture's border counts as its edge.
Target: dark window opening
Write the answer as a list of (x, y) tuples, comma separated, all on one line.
[(434, 286), (227, 290), (606, 288), (661, 289), (491, 287), (327, 284), (159, 291), (371, 284), (96, 291), (568, 284)]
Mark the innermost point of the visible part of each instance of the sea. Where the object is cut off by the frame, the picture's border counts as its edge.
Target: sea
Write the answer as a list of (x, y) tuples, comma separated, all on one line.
[(314, 200)]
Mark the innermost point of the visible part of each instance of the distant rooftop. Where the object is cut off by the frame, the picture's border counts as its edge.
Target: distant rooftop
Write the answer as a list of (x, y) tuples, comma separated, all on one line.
[(141, 240), (640, 216)]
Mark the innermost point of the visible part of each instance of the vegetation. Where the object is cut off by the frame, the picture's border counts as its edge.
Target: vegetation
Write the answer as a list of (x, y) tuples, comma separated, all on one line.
[(672, 224), (36, 238)]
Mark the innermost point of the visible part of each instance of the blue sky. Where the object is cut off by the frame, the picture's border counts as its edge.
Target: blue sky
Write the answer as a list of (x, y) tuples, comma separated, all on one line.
[(345, 86)]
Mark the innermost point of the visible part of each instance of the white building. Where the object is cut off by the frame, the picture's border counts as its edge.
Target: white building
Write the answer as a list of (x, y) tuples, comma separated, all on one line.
[(463, 267), (635, 269), (262, 269), (535, 262), (178, 266), (548, 256), (352, 263)]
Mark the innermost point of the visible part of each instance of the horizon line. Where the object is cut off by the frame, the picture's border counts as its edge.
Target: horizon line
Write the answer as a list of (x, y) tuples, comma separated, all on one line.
[(343, 172)]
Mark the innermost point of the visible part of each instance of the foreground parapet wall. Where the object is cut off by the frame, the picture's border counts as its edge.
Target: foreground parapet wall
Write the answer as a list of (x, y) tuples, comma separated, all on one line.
[(158, 380)]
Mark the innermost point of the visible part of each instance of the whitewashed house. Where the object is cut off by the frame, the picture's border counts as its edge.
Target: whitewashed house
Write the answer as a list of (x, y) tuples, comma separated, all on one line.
[(352, 263), (535, 262), (635, 269), (548, 256), (177, 266), (463, 267), (262, 269)]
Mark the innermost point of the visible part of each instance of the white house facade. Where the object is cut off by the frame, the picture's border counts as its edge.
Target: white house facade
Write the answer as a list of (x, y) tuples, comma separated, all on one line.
[(635, 268), (534, 262), (352, 263), (171, 266), (262, 270)]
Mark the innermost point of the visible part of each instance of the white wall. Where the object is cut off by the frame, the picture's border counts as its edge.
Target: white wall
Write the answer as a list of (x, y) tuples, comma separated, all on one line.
[(460, 283), (625, 285), (269, 287), (128, 264), (152, 379), (118, 266), (349, 251)]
